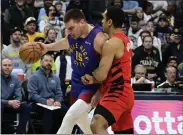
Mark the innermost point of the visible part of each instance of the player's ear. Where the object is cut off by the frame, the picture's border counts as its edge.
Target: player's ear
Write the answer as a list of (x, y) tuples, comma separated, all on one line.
[(110, 22)]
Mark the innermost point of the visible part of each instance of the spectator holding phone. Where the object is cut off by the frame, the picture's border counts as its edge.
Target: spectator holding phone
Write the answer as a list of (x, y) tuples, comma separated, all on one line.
[(52, 20)]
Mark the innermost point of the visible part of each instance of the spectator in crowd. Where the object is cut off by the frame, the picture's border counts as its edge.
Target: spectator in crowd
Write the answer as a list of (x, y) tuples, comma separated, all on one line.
[(81, 5), (42, 13), (170, 74), (148, 56), (39, 3), (140, 75), (171, 8), (11, 97), (129, 6), (60, 7), (119, 3), (12, 52), (180, 68), (53, 21), (44, 87), (51, 35), (24, 39), (64, 71), (156, 41), (16, 15), (172, 61), (30, 27), (134, 31), (162, 29), (176, 48), (36, 65)]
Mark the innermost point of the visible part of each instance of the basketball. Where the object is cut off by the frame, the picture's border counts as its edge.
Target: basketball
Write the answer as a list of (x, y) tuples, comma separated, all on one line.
[(30, 52)]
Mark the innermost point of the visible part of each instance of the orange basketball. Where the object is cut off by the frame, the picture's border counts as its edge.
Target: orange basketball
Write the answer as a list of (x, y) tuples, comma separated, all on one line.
[(30, 52)]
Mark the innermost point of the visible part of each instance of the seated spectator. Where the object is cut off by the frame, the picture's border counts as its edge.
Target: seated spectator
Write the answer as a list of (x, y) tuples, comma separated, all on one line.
[(134, 31), (129, 6), (148, 56), (36, 65), (172, 61), (162, 29), (24, 39), (30, 27), (12, 52), (51, 36), (156, 41), (42, 13), (60, 6), (11, 97), (170, 74), (53, 21), (16, 15), (140, 75), (44, 87), (176, 48), (180, 68)]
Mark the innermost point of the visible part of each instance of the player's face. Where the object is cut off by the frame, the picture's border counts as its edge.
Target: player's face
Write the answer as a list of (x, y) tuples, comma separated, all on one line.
[(74, 28), (106, 23), (7, 66), (46, 63), (16, 36), (148, 43)]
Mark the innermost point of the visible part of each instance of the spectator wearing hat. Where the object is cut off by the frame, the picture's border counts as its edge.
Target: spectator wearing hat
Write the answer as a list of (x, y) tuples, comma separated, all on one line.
[(30, 27), (16, 15), (162, 29), (12, 52), (172, 61), (175, 48)]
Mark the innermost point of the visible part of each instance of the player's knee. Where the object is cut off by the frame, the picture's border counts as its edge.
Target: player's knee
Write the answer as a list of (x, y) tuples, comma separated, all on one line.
[(98, 123)]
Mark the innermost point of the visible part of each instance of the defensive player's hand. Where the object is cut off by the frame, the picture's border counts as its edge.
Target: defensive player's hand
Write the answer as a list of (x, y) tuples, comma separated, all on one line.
[(87, 79), (43, 47)]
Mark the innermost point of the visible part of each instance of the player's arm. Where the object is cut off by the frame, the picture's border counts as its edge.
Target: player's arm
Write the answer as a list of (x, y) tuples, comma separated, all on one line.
[(109, 51), (56, 46)]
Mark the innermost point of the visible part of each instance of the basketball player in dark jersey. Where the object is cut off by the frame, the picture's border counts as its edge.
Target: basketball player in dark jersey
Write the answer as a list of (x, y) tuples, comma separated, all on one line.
[(85, 43), (114, 71)]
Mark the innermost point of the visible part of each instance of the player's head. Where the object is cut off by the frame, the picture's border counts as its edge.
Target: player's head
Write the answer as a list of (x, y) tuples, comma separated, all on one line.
[(74, 22), (46, 61), (113, 18), (6, 66)]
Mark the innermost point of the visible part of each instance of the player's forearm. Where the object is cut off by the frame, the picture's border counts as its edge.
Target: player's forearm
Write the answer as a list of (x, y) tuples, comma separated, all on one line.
[(99, 76), (58, 45)]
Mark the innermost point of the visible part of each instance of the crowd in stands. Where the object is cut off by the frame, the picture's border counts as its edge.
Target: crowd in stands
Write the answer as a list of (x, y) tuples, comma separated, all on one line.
[(155, 30)]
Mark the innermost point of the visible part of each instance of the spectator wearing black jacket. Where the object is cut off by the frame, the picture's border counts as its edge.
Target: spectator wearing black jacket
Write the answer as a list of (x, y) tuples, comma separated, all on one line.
[(148, 56)]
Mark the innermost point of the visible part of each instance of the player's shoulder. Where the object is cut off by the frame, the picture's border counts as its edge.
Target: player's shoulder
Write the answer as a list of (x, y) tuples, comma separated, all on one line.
[(115, 42)]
